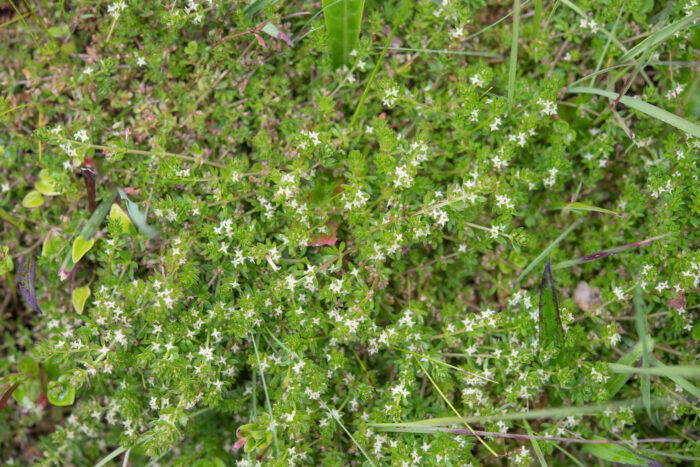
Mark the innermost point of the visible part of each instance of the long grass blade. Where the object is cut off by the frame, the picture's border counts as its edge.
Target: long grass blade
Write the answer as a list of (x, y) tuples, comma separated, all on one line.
[(343, 20), (661, 35), (644, 107), (513, 53), (689, 371), (679, 380)]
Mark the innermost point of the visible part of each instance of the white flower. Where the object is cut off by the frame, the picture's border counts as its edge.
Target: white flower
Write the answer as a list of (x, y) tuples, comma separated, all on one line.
[(81, 135), (619, 293), (390, 96)]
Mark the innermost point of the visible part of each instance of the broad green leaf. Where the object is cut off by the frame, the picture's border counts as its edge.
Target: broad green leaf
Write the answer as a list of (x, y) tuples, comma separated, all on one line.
[(80, 296), (46, 185), (551, 329), (60, 392), (80, 247), (33, 199), (117, 213), (271, 30), (27, 393), (52, 245), (138, 218), (6, 264), (619, 454), (29, 366), (644, 107), (343, 19), (618, 380)]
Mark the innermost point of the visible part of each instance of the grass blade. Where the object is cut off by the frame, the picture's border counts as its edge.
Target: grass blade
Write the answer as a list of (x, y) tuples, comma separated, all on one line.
[(642, 331), (547, 250), (343, 19), (689, 371), (583, 14), (619, 454), (605, 253), (659, 36), (535, 444), (679, 380), (551, 412), (513, 53), (644, 107), (577, 207), (618, 380)]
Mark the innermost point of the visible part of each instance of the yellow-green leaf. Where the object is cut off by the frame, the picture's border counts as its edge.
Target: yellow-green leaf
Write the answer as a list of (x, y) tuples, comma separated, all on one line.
[(33, 200), (117, 213), (46, 185), (80, 296), (80, 247)]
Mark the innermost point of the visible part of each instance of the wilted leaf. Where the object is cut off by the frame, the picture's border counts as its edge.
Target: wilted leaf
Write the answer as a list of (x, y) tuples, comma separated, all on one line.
[(6, 396), (25, 283)]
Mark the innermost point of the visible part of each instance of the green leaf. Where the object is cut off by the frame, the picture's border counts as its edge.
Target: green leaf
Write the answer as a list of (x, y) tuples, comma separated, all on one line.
[(551, 329), (138, 218), (89, 229), (33, 199), (618, 380), (80, 247), (51, 246), (577, 207), (688, 371), (617, 453), (28, 366), (46, 185), (343, 19), (6, 264), (80, 296), (646, 108), (60, 392), (659, 36), (27, 393), (117, 213)]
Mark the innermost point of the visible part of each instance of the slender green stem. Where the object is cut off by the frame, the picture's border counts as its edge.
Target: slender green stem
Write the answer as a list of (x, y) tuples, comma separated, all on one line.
[(267, 397)]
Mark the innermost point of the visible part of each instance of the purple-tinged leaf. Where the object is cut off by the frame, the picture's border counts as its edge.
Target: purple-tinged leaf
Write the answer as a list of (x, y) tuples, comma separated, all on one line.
[(25, 282), (605, 253), (7, 395), (89, 179)]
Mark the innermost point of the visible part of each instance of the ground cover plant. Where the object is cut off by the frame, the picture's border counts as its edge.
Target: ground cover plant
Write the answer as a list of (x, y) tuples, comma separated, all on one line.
[(349, 233)]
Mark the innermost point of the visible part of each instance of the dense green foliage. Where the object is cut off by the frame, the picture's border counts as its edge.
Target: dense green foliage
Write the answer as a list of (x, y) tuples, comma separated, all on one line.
[(288, 262)]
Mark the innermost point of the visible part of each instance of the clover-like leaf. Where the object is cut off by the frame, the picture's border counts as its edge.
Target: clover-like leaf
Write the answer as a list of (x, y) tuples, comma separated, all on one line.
[(80, 296), (61, 393)]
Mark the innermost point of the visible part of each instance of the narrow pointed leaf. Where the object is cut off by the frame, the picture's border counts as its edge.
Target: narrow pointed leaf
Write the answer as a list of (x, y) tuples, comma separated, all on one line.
[(659, 36), (343, 19), (619, 454), (644, 107), (25, 282), (551, 329), (138, 218), (606, 253)]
